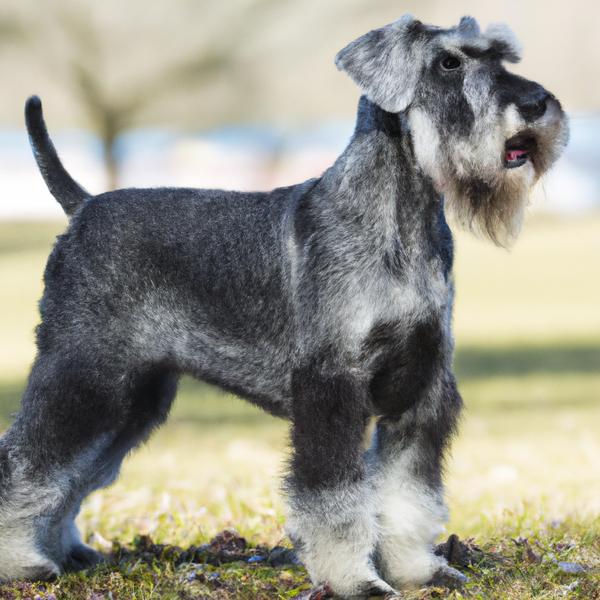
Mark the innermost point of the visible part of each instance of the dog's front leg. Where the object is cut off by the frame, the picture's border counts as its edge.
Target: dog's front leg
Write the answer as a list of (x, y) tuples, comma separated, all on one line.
[(332, 518), (409, 451)]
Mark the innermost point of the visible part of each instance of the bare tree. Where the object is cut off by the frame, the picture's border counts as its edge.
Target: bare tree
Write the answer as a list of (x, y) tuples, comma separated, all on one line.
[(112, 111), (112, 114)]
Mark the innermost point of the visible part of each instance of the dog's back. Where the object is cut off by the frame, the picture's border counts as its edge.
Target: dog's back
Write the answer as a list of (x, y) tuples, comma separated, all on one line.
[(194, 279)]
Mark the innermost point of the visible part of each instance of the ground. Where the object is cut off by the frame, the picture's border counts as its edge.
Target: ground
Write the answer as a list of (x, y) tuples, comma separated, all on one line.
[(523, 477)]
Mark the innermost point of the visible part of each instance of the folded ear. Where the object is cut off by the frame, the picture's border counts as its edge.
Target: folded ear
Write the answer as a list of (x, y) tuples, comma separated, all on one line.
[(384, 63), (503, 39)]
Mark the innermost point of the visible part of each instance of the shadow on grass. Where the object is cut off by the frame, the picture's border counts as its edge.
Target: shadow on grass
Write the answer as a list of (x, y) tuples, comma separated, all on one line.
[(10, 395), (475, 362), (201, 404), (197, 403)]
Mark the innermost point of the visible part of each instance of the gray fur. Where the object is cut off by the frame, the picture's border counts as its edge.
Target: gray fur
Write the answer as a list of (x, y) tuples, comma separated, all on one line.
[(385, 63), (327, 303)]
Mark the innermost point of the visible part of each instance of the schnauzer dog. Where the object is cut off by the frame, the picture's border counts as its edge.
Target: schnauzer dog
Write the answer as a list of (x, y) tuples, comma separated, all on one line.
[(327, 303)]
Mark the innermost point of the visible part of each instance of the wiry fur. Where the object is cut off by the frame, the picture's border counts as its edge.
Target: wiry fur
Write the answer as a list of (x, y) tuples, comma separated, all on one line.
[(483, 195), (327, 303)]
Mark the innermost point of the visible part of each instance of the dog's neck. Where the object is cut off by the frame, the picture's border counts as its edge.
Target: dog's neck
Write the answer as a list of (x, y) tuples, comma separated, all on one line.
[(377, 182), (372, 118)]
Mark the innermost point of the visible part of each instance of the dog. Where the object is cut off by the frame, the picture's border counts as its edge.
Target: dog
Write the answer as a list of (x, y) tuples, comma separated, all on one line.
[(326, 303)]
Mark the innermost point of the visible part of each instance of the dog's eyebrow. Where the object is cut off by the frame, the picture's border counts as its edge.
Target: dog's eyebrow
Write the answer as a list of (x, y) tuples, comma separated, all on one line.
[(492, 52)]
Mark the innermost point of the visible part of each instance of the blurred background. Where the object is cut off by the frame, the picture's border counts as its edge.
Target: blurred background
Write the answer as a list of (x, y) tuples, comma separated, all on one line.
[(244, 94)]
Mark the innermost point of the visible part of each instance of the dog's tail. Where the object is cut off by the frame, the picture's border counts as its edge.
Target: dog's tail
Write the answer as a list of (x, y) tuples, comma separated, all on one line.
[(61, 185)]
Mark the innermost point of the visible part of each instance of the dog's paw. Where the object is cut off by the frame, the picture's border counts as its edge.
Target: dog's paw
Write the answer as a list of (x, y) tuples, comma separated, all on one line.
[(378, 589), (43, 572), (371, 589), (318, 593), (448, 577), (82, 557)]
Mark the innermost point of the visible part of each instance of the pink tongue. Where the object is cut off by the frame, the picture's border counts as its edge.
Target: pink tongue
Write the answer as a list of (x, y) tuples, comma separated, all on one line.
[(515, 154)]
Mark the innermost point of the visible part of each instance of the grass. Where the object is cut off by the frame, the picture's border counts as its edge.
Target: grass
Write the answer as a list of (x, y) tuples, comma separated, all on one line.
[(524, 466)]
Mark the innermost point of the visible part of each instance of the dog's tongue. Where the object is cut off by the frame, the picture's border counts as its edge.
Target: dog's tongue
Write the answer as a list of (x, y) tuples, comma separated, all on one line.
[(515, 154)]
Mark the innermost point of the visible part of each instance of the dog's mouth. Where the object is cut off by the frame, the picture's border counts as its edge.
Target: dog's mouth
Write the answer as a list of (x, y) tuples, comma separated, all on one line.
[(518, 150)]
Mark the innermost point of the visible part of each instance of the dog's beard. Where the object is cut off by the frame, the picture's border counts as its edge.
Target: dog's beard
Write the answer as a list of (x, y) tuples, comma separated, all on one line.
[(486, 197), (482, 195), (494, 210)]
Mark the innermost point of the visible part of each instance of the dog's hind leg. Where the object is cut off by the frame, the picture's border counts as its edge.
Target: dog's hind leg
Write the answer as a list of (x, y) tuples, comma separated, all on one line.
[(408, 450), (148, 399), (332, 518), (78, 420)]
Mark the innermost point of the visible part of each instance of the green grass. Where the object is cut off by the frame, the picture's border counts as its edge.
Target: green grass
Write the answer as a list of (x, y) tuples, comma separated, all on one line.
[(524, 465)]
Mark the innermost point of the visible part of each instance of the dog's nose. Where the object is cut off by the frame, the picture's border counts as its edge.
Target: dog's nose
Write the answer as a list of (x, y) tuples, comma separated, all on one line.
[(535, 107)]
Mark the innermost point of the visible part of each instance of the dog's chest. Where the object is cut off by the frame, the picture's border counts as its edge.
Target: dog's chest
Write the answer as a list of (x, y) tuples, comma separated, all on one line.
[(419, 296), (405, 335)]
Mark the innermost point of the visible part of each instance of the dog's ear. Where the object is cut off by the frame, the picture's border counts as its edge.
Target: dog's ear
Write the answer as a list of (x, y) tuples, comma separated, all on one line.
[(504, 41), (385, 63)]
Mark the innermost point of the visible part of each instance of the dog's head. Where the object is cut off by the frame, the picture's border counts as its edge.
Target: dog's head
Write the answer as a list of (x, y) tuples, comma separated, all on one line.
[(483, 134)]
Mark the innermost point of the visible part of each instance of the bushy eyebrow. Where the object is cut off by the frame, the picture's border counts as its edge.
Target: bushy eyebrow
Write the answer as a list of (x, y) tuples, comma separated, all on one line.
[(491, 52)]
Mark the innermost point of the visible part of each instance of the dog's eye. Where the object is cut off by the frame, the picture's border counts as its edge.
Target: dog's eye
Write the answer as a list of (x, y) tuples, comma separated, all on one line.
[(450, 63)]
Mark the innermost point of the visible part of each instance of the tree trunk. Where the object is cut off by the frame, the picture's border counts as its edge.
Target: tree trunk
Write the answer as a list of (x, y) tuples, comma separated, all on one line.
[(111, 123), (111, 163)]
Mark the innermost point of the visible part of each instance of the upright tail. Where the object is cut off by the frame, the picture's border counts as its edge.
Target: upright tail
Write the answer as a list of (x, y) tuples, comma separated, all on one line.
[(61, 185)]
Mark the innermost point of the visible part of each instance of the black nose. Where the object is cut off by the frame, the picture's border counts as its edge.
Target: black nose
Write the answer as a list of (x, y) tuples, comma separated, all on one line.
[(535, 107)]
